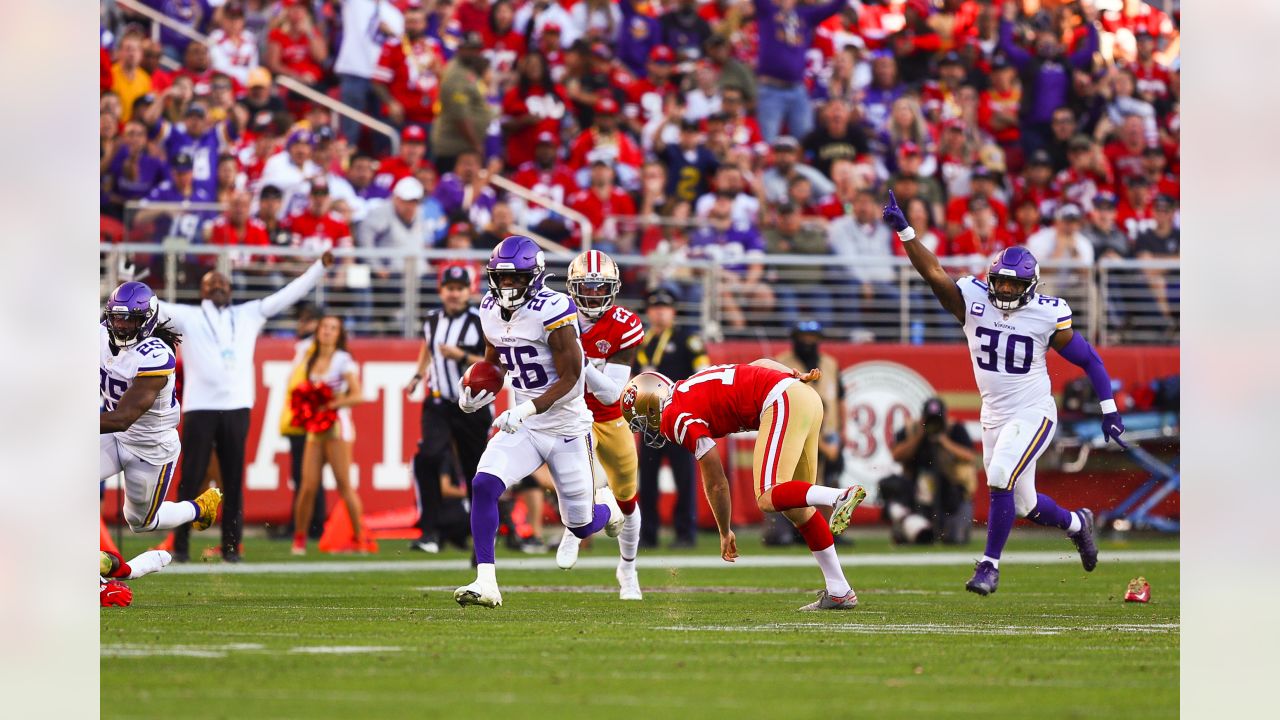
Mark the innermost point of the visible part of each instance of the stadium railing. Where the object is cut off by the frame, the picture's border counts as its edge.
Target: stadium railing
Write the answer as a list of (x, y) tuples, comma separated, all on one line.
[(1111, 303)]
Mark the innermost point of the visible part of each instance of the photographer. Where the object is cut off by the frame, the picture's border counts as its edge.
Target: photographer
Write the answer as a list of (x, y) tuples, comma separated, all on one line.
[(933, 497)]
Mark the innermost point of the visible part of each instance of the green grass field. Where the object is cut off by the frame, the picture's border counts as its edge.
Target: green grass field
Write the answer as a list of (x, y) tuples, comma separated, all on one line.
[(354, 638)]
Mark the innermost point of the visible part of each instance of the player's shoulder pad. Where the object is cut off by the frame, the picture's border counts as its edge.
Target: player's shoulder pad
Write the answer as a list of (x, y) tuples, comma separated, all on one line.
[(627, 327), (1055, 309), (554, 309), (155, 357)]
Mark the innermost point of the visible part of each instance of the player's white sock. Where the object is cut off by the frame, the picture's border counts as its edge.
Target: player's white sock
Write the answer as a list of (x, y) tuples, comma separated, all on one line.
[(993, 561), (487, 572), (148, 562), (173, 514), (1076, 524), (837, 586), (629, 538), (819, 495)]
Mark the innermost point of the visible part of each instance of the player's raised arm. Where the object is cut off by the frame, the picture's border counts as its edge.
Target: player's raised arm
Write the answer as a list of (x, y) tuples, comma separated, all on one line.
[(566, 353), (924, 261), (1076, 349), (139, 398)]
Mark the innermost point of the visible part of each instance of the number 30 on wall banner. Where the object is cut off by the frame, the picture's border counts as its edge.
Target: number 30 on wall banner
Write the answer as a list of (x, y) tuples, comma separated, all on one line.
[(880, 398)]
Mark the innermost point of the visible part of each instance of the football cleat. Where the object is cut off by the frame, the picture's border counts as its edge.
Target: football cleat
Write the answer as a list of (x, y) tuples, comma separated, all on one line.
[(567, 553), (1139, 591), (108, 563), (842, 511), (985, 578), (478, 593), (827, 601), (628, 581), (113, 593), (209, 501), (431, 547), (1083, 540), (612, 528), (299, 546)]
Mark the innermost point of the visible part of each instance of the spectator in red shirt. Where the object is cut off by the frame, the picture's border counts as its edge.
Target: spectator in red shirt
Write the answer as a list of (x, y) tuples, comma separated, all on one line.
[(1086, 176), (600, 202), (1124, 154), (407, 78), (984, 235), (1035, 184), (998, 105), (1136, 213), (645, 96), (605, 141), (982, 183), (235, 226), (1155, 166), (1152, 78), (938, 97), (316, 227), (296, 48), (848, 182), (547, 177), (1026, 220), (535, 105), (413, 155), (198, 66)]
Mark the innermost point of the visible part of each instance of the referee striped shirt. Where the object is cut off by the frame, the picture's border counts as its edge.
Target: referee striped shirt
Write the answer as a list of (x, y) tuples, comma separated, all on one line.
[(462, 330)]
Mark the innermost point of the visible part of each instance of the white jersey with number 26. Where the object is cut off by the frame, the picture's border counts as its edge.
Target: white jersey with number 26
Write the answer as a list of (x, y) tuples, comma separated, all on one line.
[(1008, 349), (521, 342)]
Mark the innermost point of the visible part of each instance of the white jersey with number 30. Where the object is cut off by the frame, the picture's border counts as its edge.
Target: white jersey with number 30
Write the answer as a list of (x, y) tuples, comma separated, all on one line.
[(521, 342), (1008, 349)]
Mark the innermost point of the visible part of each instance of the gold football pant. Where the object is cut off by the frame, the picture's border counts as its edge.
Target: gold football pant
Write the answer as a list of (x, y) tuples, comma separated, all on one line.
[(616, 449), (787, 444)]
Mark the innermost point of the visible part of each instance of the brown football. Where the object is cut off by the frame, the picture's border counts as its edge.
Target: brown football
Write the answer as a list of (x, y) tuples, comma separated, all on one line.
[(484, 375)]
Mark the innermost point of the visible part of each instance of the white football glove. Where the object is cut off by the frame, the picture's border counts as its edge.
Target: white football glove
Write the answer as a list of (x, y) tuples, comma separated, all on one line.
[(510, 419), (470, 403)]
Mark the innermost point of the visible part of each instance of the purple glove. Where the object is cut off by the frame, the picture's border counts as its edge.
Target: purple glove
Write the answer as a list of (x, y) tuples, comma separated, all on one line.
[(892, 215), (1112, 427)]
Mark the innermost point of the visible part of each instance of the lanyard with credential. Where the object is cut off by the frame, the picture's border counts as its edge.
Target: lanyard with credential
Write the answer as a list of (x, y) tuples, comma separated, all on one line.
[(228, 350), (660, 348)]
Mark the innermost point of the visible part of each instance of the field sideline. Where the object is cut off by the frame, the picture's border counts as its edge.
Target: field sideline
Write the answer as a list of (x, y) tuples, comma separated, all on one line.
[(380, 636)]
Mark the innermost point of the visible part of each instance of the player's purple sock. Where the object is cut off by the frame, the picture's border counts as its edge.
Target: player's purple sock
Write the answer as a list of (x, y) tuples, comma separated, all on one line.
[(485, 491), (599, 517), (999, 522), (1047, 512)]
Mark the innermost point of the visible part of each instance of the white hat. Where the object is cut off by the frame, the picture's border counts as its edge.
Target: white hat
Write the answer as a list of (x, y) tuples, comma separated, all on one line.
[(408, 189)]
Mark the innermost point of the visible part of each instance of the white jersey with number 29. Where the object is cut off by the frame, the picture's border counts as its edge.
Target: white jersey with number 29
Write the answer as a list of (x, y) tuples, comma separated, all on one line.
[(521, 342), (1008, 349)]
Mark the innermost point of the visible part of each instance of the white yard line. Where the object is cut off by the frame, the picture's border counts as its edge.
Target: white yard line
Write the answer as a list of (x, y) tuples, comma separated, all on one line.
[(928, 628), (663, 562)]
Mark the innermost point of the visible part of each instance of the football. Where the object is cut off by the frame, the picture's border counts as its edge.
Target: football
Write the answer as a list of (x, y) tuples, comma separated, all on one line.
[(484, 375)]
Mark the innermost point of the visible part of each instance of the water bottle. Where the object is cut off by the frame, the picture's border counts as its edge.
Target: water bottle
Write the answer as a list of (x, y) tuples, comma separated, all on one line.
[(917, 332)]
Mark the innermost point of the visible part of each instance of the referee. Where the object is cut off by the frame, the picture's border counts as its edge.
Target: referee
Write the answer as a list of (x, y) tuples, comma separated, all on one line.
[(218, 389), (453, 340)]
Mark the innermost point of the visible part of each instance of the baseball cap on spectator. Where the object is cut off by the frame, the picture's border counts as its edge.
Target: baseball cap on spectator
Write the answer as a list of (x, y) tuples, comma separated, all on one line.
[(297, 136), (456, 274), (934, 409), (1138, 181), (259, 77), (413, 133), (460, 228), (1068, 211), (323, 134), (978, 202), (950, 58), (408, 188), (660, 297), (1106, 198), (1079, 142), (718, 117), (270, 192), (318, 186), (690, 125), (1153, 151), (908, 148), (662, 54), (982, 172), (1166, 202), (1040, 157), (546, 136), (786, 142), (606, 106), (183, 162), (787, 208), (1000, 62), (197, 109), (233, 8), (551, 28), (953, 124), (601, 51)]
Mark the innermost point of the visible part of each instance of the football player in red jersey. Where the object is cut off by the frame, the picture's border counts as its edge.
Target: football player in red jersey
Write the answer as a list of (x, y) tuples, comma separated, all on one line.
[(611, 335), (772, 398)]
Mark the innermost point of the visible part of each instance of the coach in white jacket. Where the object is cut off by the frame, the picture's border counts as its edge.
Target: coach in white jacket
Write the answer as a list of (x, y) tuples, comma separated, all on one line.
[(219, 379)]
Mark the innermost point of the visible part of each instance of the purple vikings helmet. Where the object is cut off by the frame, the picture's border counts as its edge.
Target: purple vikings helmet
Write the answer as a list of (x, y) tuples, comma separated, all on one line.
[(1019, 274), (516, 256), (131, 314)]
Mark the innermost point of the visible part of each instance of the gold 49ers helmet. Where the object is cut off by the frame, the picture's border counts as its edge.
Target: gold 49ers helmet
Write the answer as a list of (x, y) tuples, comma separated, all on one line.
[(593, 283), (642, 401)]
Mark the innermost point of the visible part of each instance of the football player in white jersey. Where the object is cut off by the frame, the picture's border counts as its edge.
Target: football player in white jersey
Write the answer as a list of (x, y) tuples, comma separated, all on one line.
[(532, 331), (1010, 327), (139, 414)]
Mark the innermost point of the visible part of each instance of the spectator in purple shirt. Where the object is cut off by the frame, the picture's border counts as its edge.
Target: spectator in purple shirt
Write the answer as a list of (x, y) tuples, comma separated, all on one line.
[(465, 193), (133, 172), (885, 88), (684, 30), (637, 37), (195, 14), (1046, 75), (200, 140), (182, 223), (786, 34), (738, 249)]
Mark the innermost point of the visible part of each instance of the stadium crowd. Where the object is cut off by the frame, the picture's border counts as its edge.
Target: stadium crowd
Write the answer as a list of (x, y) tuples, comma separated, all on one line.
[(724, 129)]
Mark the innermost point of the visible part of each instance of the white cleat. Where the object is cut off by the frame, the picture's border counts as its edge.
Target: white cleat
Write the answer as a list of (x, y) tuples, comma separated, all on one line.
[(629, 581), (151, 561), (567, 553), (478, 593), (616, 518)]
